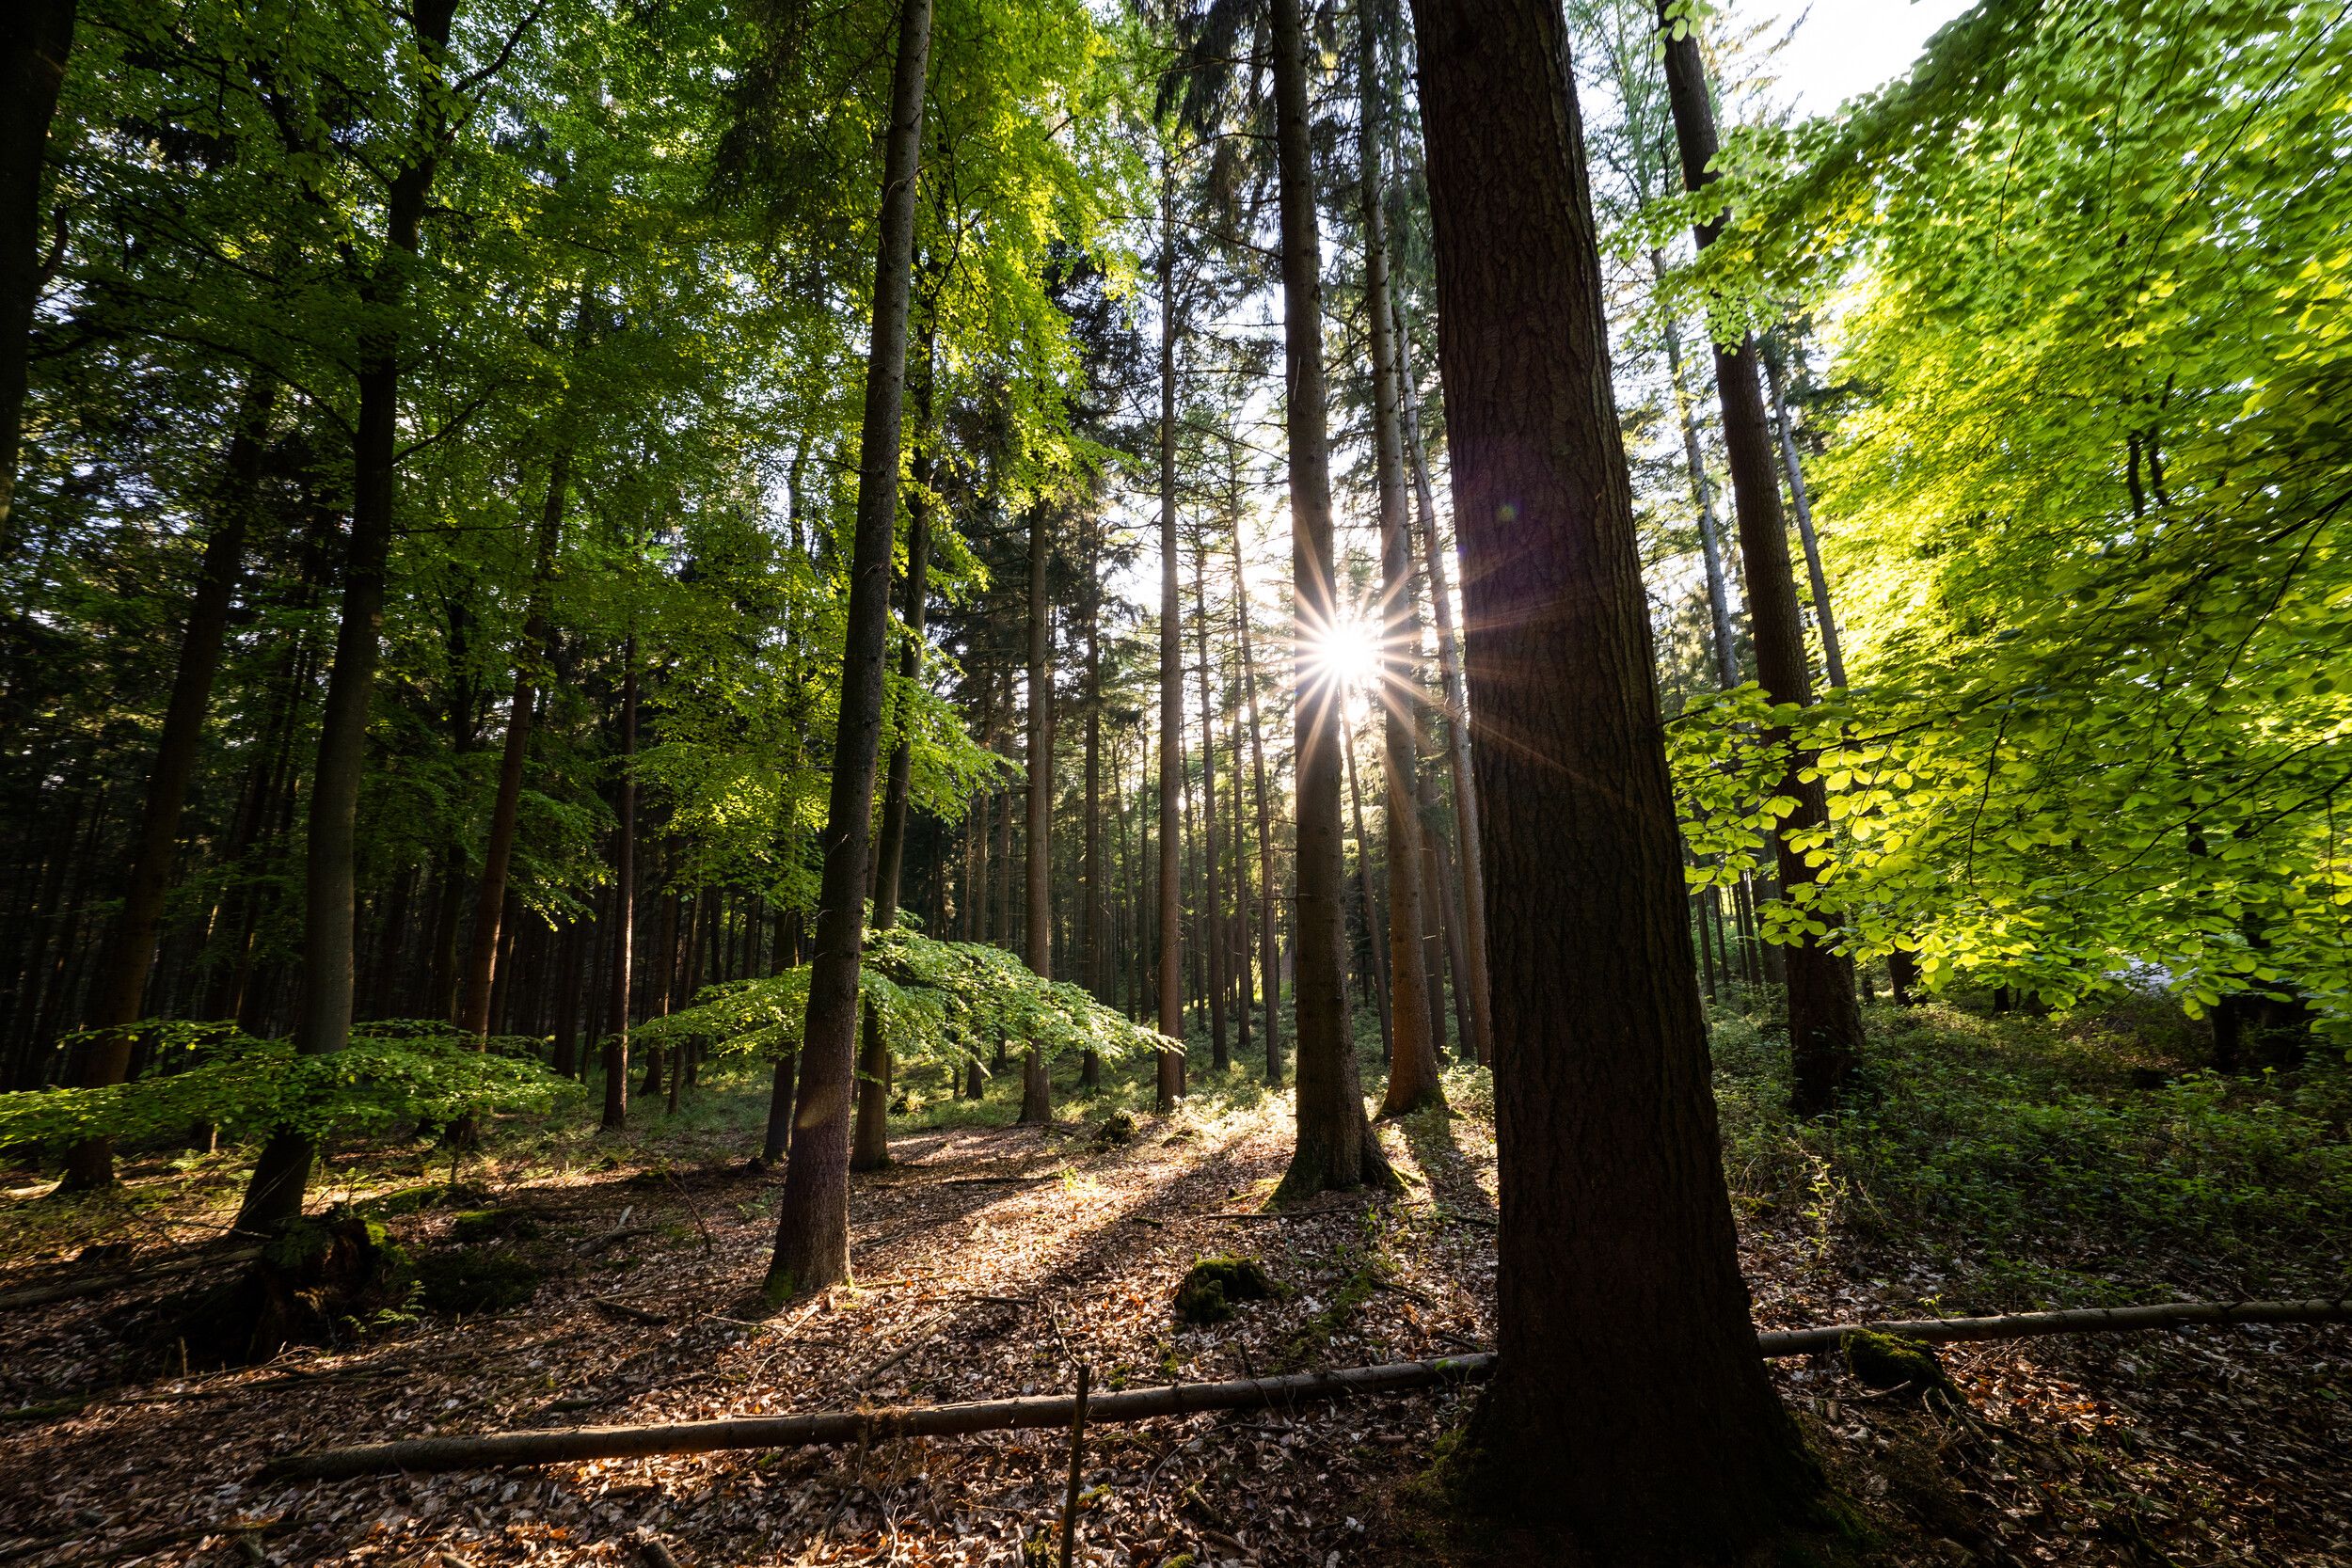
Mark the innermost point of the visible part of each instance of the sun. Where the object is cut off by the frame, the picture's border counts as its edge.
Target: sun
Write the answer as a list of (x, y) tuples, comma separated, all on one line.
[(1347, 655)]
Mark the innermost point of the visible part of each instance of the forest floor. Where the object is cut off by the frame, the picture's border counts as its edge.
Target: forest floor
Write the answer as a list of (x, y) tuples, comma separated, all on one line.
[(2000, 1162)]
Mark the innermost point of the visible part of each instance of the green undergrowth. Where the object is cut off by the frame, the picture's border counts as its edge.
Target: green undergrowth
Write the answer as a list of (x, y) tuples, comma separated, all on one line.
[(2055, 1155)]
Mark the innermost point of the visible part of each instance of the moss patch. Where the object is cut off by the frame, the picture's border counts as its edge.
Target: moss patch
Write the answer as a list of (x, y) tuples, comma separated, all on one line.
[(1886, 1362), (489, 1225), (1213, 1287), (470, 1279)]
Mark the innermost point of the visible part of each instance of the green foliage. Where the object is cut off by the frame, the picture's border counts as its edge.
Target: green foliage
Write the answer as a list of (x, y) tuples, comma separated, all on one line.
[(1214, 1286), (938, 1001), (391, 1073)]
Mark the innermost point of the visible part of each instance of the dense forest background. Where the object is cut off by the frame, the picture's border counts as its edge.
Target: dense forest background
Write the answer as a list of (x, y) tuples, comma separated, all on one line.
[(1646, 713)]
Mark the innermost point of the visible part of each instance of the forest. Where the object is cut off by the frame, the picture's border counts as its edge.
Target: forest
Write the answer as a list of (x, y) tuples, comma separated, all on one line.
[(1176, 783)]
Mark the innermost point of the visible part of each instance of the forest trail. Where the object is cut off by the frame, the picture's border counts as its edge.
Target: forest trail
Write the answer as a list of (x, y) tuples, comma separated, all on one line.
[(990, 1261)]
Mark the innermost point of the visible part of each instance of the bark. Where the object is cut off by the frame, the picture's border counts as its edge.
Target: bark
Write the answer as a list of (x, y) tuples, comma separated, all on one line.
[(1631, 1412), (1833, 657), (1336, 1148), (1471, 975), (1375, 924), (1170, 1079), (623, 905), (1037, 1090), (1213, 916), (35, 43), (1271, 966), (1726, 651), (813, 1227), (1094, 948), (869, 1147), (1412, 1047), (322, 1007), (497, 850), (130, 951), (1824, 1023)]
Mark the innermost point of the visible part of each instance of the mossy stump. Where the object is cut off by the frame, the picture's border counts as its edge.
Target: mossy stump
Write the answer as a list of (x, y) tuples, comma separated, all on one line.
[(1213, 1287), (1894, 1365), (317, 1282)]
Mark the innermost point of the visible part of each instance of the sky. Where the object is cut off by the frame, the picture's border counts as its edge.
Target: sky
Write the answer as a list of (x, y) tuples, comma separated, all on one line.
[(1844, 47)]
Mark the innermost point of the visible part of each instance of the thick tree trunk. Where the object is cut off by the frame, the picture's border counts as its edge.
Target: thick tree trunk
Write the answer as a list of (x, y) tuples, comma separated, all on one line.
[(869, 1146), (1824, 1024), (1726, 650), (1471, 975), (1833, 657), (497, 850), (129, 950), (1170, 1082), (813, 1227), (1412, 1046), (323, 1009), (1631, 1408), (623, 905), (1336, 1148), (1271, 965), (1213, 915), (1037, 1090), (35, 41)]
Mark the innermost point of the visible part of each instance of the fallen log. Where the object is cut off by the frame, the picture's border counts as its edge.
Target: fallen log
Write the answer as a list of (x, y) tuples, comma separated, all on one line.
[(841, 1427), (98, 1284), (2081, 1320)]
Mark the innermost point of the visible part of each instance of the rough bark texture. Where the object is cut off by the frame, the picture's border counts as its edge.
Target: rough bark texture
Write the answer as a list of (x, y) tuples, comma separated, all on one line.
[(1336, 1148), (1631, 1410), (34, 41), (130, 952), (1036, 1089), (1213, 915), (323, 1004), (1824, 1024), (1170, 1082), (1270, 962), (1833, 656), (1412, 1046), (497, 850), (813, 1227)]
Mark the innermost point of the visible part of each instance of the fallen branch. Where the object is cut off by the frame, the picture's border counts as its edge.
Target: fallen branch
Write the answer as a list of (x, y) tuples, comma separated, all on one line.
[(1183, 1398), (90, 1285), (2082, 1320)]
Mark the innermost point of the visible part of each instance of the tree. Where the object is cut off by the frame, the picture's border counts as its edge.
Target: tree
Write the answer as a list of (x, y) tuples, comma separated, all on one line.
[(812, 1248), (1036, 1093), (35, 43), (1630, 1405)]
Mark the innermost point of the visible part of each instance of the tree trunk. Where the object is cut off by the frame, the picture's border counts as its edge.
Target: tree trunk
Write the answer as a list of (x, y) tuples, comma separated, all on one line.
[(131, 944), (1336, 1148), (1824, 1024), (1170, 1082), (813, 1226), (623, 905), (1212, 907), (1412, 1047), (1094, 948), (497, 849), (1037, 1090), (1703, 498), (323, 1011), (1833, 658), (1271, 965), (869, 1146), (1631, 1408), (1375, 924), (1472, 975), (35, 41)]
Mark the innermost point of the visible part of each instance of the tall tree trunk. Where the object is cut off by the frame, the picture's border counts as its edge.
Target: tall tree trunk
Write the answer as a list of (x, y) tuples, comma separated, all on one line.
[(323, 1009), (1824, 1023), (129, 950), (1170, 1080), (1336, 1148), (1037, 1090), (1412, 1046), (1093, 909), (1245, 992), (624, 904), (1213, 908), (1833, 657), (1375, 924), (1629, 1404), (1271, 962), (813, 1227), (869, 1144), (497, 850), (35, 41), (1472, 975), (1703, 498)]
